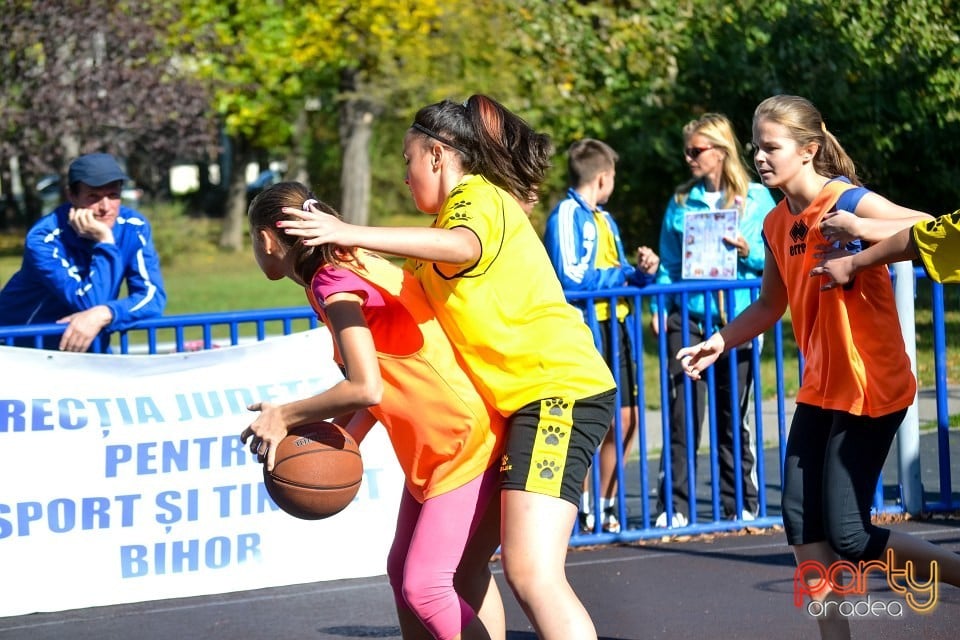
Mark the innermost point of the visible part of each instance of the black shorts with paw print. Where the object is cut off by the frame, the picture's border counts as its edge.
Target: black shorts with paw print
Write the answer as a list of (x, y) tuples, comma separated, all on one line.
[(551, 442)]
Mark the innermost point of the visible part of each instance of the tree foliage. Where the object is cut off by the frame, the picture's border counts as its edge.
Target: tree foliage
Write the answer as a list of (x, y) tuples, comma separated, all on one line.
[(88, 76), (331, 86), (607, 70), (269, 60), (884, 73)]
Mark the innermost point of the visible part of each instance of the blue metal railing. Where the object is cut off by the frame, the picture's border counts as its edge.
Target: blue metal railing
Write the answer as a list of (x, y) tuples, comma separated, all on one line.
[(638, 512), (635, 474), (179, 333)]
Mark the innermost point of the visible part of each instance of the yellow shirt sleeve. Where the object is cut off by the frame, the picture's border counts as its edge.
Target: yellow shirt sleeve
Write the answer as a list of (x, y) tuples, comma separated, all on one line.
[(938, 243)]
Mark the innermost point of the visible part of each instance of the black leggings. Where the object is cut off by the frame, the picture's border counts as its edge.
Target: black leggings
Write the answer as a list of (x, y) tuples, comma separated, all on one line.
[(833, 463)]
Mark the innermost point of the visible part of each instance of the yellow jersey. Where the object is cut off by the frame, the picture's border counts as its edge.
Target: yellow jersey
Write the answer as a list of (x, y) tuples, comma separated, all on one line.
[(506, 314)]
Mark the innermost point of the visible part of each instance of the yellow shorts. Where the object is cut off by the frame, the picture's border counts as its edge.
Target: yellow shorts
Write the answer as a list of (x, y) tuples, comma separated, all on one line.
[(938, 243)]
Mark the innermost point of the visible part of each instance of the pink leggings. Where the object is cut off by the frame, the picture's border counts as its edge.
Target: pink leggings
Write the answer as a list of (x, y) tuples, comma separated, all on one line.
[(427, 548)]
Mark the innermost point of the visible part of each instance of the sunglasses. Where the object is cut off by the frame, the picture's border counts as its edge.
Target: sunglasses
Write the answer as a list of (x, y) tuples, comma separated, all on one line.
[(694, 152)]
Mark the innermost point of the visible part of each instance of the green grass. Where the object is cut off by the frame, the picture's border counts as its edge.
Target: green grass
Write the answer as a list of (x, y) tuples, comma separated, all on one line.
[(225, 281), (205, 279)]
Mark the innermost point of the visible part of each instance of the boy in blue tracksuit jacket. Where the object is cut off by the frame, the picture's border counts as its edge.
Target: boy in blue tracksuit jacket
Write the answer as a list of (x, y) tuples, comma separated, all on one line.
[(571, 237), (584, 245), (77, 258)]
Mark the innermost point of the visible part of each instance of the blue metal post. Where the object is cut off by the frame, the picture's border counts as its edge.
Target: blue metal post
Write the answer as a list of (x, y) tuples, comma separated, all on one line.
[(908, 437)]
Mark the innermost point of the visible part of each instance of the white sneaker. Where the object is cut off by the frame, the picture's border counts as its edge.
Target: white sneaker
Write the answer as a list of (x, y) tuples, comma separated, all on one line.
[(610, 522), (586, 521), (747, 516), (679, 520)]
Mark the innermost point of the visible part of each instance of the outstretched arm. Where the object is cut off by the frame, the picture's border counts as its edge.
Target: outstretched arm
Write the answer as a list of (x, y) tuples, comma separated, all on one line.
[(754, 320), (451, 246), (875, 219)]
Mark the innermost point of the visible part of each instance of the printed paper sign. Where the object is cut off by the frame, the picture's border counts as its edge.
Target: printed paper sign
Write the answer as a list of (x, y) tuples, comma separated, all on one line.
[(705, 255)]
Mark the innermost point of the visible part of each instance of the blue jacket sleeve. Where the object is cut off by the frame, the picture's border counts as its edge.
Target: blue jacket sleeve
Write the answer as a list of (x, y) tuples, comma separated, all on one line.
[(636, 277), (55, 266), (146, 297), (573, 260), (758, 205), (631, 275)]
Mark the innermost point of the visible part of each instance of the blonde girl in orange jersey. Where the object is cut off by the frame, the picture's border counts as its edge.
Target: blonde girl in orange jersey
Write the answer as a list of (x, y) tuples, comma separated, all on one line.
[(400, 369), (857, 381), (476, 166)]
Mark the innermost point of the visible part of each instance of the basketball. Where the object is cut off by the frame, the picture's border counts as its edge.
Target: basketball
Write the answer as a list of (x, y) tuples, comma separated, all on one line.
[(316, 473)]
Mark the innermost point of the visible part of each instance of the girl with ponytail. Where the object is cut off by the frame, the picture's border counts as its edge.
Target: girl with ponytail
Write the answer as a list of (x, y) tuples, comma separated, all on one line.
[(857, 382), (401, 370), (477, 168)]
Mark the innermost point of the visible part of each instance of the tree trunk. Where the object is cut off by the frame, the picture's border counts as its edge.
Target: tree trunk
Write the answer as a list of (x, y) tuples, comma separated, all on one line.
[(234, 220), (297, 155), (356, 130)]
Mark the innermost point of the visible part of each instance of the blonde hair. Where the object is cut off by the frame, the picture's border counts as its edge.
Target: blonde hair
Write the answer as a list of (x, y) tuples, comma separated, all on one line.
[(735, 177), (806, 126)]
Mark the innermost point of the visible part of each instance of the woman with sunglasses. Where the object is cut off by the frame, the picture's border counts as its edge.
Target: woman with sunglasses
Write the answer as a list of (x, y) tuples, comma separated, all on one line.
[(720, 180)]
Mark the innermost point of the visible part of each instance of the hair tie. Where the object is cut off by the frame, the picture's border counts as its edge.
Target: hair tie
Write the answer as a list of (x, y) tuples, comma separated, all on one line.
[(308, 202), (823, 126), (436, 136)]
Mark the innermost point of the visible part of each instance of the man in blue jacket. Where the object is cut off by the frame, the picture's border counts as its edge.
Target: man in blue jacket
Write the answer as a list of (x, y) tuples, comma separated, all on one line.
[(585, 247), (77, 257)]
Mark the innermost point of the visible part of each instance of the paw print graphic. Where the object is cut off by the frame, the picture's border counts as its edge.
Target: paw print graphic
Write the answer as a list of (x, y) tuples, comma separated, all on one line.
[(556, 406), (460, 209), (553, 435), (548, 469)]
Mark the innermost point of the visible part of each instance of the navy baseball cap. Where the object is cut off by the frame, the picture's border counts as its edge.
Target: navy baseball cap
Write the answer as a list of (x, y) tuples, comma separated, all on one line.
[(95, 170)]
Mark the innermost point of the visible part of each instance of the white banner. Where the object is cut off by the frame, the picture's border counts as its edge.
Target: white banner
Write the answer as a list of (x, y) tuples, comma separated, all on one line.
[(124, 479)]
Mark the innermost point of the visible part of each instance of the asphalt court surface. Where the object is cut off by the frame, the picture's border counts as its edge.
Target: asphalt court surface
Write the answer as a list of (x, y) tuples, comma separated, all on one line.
[(720, 586)]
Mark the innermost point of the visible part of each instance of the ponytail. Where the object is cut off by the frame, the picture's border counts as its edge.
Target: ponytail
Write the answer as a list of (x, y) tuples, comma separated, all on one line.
[(831, 159), (513, 155), (491, 141)]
